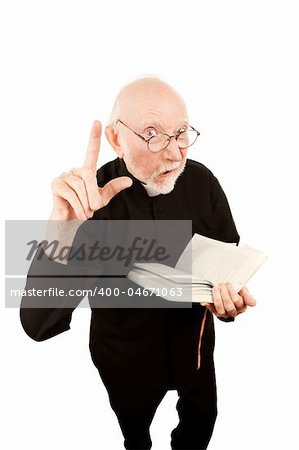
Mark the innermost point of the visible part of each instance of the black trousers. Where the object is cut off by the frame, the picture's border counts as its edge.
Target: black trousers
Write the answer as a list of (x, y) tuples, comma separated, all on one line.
[(197, 411)]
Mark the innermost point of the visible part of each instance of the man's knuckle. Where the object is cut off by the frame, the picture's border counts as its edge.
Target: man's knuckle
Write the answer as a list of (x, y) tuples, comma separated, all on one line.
[(232, 311), (58, 183), (88, 178), (78, 183), (217, 300), (226, 299), (237, 299)]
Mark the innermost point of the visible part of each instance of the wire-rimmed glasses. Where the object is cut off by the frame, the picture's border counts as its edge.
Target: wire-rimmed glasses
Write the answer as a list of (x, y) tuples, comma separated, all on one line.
[(160, 141)]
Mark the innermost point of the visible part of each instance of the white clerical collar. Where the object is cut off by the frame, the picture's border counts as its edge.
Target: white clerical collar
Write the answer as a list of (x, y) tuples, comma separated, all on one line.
[(149, 190)]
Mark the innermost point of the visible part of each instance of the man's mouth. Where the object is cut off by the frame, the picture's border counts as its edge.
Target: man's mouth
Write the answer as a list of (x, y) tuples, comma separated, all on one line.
[(168, 172)]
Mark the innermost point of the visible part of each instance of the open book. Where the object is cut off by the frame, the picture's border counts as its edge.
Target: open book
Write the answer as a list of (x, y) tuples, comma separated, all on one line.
[(212, 261)]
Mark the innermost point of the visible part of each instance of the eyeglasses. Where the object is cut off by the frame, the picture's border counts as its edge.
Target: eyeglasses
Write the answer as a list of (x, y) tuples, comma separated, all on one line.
[(160, 141)]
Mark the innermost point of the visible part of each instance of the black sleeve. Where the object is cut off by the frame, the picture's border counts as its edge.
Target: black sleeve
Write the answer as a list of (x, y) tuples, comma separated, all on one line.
[(42, 322), (223, 225)]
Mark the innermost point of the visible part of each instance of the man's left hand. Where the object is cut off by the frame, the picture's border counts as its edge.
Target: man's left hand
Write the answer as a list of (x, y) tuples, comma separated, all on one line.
[(228, 302)]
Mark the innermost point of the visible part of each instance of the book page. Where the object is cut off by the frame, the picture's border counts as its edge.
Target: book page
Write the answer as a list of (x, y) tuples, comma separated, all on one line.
[(170, 273), (220, 262)]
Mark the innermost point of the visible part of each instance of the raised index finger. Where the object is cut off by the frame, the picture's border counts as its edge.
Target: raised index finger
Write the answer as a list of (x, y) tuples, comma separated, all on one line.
[(93, 147)]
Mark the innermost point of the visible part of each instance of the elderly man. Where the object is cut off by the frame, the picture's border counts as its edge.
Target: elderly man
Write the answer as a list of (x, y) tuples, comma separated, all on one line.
[(142, 353)]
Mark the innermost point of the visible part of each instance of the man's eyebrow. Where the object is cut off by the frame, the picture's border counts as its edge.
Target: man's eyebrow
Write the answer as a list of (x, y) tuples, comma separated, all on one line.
[(153, 123), (156, 124)]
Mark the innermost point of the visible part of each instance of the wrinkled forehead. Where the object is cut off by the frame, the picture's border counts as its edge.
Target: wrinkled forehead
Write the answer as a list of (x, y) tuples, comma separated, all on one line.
[(160, 106)]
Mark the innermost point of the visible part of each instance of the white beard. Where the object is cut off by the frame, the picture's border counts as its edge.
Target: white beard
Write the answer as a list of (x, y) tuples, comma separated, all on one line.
[(164, 186)]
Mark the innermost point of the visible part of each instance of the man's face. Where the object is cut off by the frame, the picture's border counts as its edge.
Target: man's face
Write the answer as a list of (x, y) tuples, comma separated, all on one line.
[(161, 112)]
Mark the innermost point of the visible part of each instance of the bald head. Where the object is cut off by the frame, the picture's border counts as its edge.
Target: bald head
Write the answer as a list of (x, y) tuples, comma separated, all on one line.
[(147, 95)]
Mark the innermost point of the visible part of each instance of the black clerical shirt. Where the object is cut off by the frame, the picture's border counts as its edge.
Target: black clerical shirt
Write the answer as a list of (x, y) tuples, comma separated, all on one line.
[(151, 347)]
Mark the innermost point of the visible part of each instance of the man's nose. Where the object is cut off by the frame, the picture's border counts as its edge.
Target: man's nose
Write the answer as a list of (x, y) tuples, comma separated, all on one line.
[(173, 152)]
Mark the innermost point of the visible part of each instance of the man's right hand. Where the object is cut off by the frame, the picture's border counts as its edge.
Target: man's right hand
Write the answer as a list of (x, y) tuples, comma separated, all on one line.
[(76, 195)]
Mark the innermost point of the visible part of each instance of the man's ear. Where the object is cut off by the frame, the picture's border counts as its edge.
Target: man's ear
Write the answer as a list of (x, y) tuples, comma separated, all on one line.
[(112, 138)]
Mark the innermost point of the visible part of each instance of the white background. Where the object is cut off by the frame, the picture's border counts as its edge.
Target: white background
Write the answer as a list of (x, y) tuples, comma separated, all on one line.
[(236, 64)]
